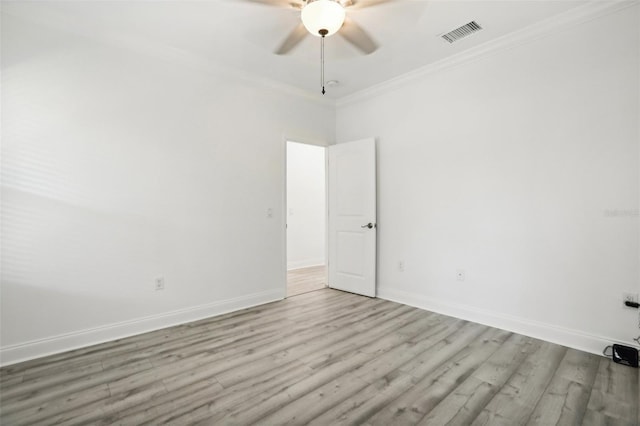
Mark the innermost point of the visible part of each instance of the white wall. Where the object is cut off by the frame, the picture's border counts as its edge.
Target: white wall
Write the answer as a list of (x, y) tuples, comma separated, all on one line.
[(119, 167), (306, 205), (521, 168)]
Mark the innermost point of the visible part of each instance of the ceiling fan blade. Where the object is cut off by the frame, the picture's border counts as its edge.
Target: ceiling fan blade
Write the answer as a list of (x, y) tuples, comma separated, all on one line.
[(292, 40), (295, 4), (357, 36), (361, 4)]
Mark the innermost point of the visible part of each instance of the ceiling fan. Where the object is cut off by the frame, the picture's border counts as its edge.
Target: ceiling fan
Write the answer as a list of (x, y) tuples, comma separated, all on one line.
[(323, 18)]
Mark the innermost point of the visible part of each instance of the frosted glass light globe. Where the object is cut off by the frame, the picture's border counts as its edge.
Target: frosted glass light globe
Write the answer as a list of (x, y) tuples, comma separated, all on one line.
[(323, 15)]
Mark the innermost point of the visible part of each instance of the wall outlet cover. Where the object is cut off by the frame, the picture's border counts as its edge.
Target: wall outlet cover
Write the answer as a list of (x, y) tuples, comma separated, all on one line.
[(159, 284)]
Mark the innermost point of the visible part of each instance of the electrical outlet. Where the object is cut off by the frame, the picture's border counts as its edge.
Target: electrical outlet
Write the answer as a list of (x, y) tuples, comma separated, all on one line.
[(401, 265), (159, 283), (629, 297), (460, 275)]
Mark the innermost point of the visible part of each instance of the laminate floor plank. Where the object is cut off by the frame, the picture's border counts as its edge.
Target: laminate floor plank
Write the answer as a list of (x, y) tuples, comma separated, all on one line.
[(414, 350), (39, 412), (36, 383), (60, 390), (241, 397), (564, 402), (324, 357), (160, 405), (401, 320), (300, 411), (117, 403), (184, 410), (194, 389), (296, 400), (438, 372), (289, 334), (446, 378), (397, 384), (359, 407), (130, 347), (304, 280), (466, 402), (234, 329), (11, 380), (259, 409), (445, 349), (517, 399), (614, 396), (328, 342), (110, 351), (223, 360), (330, 392)]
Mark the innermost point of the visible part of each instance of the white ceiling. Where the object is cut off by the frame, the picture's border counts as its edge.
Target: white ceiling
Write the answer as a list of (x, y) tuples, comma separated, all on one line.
[(241, 35)]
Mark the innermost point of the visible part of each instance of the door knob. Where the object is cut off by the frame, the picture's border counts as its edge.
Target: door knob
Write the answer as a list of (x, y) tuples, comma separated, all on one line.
[(368, 225)]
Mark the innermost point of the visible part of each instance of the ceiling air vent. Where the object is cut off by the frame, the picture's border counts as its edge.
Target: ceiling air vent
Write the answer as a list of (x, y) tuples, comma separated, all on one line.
[(462, 32)]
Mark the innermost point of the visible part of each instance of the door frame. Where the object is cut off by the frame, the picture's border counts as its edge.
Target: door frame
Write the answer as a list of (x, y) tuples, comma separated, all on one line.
[(285, 210)]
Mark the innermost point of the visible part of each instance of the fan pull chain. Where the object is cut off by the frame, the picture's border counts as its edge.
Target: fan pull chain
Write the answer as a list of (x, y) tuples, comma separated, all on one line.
[(322, 64), (323, 33)]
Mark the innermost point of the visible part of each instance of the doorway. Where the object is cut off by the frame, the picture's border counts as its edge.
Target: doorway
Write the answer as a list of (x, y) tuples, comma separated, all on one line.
[(306, 218)]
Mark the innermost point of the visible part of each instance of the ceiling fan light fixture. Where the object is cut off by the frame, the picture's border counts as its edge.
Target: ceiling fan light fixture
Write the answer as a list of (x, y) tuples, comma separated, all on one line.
[(323, 17)]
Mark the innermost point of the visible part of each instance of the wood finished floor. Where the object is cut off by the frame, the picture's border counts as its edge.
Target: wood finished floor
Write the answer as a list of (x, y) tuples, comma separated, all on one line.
[(322, 358), (304, 280)]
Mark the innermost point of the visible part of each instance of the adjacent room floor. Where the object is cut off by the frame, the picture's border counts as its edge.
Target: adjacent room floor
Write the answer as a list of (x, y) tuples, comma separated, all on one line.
[(304, 280), (325, 358)]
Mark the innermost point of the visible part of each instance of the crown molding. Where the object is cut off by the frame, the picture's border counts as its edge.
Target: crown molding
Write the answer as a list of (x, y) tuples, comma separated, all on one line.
[(199, 62), (170, 54), (578, 15)]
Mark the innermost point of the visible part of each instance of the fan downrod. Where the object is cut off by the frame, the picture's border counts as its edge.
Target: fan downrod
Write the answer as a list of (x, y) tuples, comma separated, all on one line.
[(323, 32)]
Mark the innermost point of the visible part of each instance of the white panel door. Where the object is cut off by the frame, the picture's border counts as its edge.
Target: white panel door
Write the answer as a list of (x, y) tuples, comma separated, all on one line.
[(352, 217)]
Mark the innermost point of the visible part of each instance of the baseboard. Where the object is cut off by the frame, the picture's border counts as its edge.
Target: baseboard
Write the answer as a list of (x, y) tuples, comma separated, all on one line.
[(548, 332), (83, 338), (306, 263)]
